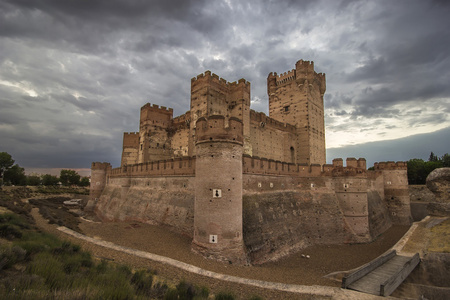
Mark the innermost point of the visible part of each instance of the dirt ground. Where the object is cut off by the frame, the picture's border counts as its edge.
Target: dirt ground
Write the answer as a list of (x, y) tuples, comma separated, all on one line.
[(293, 269)]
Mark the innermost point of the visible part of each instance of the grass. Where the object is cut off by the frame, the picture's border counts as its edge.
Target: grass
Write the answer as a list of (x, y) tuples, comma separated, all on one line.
[(37, 265), (440, 237)]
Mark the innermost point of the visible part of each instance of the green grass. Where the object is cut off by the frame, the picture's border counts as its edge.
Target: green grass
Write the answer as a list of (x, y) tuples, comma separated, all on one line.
[(54, 269)]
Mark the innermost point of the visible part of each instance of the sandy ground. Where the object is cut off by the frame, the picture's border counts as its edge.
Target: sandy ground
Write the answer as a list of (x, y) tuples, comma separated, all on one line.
[(293, 269)]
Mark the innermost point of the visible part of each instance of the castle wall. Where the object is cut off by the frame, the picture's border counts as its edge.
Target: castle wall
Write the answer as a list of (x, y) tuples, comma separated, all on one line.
[(130, 151), (285, 207), (167, 200), (283, 214), (180, 142), (272, 139)]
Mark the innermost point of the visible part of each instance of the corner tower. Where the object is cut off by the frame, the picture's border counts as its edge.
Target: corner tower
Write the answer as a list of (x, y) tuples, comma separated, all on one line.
[(296, 97), (218, 189)]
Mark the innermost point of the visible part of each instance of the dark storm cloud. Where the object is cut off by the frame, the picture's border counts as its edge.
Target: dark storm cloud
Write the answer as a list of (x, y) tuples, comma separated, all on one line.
[(74, 74)]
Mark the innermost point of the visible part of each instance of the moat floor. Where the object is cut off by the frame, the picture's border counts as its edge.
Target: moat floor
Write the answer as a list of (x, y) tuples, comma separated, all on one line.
[(293, 269)]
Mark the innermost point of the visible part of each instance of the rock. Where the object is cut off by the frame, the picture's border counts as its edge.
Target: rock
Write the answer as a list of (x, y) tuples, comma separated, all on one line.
[(438, 182)]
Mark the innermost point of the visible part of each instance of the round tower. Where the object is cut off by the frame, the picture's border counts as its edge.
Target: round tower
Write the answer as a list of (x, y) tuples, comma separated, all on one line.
[(218, 190), (99, 172)]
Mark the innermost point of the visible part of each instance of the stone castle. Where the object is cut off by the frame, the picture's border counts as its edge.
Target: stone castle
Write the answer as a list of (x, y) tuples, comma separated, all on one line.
[(247, 187)]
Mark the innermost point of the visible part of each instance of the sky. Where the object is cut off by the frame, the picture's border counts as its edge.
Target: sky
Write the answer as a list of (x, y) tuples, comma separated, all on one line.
[(74, 74)]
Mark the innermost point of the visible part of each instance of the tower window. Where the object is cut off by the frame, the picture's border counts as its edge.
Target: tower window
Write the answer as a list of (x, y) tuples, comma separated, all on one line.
[(286, 108)]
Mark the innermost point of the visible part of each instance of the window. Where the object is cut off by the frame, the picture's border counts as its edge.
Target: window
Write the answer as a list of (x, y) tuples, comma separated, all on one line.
[(286, 108)]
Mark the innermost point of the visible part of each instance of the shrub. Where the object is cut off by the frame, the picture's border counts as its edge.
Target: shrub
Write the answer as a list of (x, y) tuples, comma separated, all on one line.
[(9, 232), (224, 296), (13, 219), (11, 255), (142, 281), (186, 290)]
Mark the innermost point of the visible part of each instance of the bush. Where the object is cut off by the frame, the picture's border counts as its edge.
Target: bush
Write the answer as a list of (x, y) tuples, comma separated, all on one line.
[(186, 290), (9, 232), (142, 281), (11, 255), (224, 296)]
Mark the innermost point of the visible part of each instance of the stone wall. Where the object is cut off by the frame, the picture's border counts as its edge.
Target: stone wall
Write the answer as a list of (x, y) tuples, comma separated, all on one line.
[(282, 214), (154, 200)]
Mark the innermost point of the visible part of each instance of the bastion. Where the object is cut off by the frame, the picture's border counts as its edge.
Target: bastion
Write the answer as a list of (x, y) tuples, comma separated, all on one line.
[(247, 187)]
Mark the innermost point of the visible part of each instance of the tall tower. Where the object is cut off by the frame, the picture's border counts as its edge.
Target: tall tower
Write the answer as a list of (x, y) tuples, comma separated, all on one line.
[(218, 189), (296, 97), (154, 143), (211, 95)]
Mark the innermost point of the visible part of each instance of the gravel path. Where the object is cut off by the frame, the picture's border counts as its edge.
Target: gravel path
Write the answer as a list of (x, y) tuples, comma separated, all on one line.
[(293, 269)]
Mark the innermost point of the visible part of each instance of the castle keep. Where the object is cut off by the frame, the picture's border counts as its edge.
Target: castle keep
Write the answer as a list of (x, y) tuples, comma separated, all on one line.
[(245, 186)]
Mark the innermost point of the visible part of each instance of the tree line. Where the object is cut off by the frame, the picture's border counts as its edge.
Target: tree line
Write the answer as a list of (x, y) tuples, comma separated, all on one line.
[(418, 169), (13, 174)]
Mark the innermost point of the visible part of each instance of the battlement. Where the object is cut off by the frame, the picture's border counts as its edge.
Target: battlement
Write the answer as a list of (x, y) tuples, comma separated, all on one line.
[(101, 166), (130, 139), (215, 128), (171, 167), (157, 108), (390, 165), (209, 77), (264, 120), (264, 166), (304, 66), (182, 120)]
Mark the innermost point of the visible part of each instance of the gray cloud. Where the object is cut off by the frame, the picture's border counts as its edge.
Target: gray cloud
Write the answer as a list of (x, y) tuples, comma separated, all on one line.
[(74, 74)]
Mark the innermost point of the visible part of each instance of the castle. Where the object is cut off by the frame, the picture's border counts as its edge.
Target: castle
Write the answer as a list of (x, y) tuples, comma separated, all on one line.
[(247, 187)]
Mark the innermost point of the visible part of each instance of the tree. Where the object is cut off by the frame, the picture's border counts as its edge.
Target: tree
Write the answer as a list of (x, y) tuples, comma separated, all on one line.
[(432, 157), (6, 162), (445, 160), (84, 181), (33, 180), (15, 175), (48, 179), (68, 177), (418, 169)]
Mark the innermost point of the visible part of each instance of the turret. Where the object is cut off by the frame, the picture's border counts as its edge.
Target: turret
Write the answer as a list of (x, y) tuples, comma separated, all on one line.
[(99, 175), (218, 190), (396, 193)]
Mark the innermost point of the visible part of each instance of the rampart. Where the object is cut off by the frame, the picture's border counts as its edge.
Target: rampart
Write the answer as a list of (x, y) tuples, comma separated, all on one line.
[(170, 167)]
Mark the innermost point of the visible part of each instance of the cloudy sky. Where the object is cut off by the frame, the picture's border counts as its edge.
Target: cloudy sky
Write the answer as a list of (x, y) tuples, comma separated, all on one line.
[(74, 73)]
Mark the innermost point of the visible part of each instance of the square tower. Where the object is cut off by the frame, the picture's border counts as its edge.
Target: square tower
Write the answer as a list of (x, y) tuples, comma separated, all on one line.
[(296, 98), (211, 95)]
